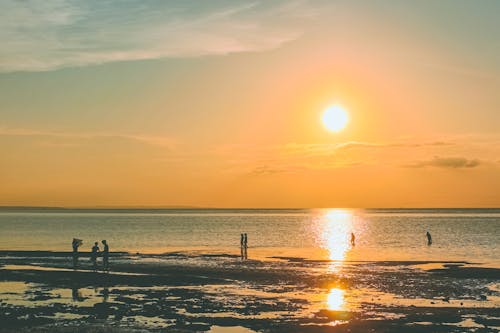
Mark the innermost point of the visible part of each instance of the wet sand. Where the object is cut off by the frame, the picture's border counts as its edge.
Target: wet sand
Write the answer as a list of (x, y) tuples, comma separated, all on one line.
[(187, 292)]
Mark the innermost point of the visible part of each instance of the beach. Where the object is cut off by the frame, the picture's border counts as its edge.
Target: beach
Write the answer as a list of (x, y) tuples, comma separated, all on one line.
[(215, 293), (303, 274)]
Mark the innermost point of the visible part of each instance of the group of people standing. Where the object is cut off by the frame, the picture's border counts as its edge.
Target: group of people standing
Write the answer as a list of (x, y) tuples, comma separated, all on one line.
[(244, 246), (94, 254)]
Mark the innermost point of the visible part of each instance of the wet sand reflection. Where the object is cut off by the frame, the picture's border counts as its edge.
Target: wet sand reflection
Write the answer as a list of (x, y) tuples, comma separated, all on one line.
[(335, 299), (336, 230)]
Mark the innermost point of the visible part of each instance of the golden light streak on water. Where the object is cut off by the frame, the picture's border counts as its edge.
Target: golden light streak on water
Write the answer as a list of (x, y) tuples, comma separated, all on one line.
[(337, 228)]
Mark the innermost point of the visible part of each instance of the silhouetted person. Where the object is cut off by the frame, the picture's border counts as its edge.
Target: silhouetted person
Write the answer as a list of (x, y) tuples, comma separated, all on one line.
[(105, 256), (429, 238), (75, 245), (242, 245), (93, 256), (245, 246), (353, 239)]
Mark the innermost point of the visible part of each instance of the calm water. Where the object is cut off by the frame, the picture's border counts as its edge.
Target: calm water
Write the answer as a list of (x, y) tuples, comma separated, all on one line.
[(471, 235)]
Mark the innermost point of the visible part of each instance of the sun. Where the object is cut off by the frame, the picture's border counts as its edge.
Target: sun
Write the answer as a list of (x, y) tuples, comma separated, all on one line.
[(335, 118)]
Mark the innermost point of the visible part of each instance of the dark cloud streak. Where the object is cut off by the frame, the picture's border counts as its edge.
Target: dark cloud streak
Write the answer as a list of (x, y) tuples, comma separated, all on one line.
[(448, 163)]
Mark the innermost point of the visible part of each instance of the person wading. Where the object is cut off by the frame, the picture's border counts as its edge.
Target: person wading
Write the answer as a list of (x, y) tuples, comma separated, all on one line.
[(75, 245), (105, 256), (93, 256), (245, 246), (429, 238), (242, 242)]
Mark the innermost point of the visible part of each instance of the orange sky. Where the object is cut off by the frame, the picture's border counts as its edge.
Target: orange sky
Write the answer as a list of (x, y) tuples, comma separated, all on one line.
[(223, 108)]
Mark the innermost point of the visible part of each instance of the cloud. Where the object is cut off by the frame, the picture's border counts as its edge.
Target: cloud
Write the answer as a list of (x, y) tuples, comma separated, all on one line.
[(265, 170), (146, 139), (45, 35), (294, 158), (448, 162), (331, 149)]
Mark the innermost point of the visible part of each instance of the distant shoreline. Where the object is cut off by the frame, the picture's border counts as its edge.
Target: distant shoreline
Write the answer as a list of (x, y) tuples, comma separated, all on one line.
[(138, 209)]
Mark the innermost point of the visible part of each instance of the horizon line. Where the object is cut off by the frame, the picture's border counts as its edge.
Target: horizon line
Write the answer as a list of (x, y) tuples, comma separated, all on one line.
[(189, 207)]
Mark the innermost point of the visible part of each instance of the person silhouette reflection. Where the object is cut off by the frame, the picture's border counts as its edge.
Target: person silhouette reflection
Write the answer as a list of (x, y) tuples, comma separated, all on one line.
[(105, 295), (76, 295)]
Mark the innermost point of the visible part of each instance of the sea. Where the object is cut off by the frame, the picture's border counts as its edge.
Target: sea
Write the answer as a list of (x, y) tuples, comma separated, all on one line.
[(470, 235)]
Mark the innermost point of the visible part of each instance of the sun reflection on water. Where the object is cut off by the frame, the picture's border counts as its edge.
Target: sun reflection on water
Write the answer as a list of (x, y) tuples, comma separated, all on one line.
[(335, 299), (337, 227)]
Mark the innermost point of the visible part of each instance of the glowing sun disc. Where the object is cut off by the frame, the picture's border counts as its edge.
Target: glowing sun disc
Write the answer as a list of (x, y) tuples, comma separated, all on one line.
[(335, 118)]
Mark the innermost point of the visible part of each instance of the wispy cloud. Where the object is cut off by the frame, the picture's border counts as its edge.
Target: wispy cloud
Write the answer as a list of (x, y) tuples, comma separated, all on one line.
[(44, 35), (64, 137), (266, 170), (257, 160), (447, 162), (330, 149)]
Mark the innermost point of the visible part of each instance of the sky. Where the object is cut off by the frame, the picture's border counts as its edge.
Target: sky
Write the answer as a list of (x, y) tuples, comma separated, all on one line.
[(219, 103)]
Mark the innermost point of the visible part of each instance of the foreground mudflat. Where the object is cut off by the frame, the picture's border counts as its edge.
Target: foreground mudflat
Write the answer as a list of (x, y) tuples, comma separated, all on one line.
[(178, 292)]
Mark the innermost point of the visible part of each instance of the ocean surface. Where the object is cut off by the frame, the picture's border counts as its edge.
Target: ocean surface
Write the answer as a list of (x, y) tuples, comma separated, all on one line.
[(471, 235)]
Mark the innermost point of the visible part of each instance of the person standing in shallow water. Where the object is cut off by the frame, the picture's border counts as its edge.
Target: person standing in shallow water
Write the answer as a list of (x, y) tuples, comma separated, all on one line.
[(93, 256), (105, 256), (353, 239), (75, 245), (241, 246), (429, 238), (245, 246)]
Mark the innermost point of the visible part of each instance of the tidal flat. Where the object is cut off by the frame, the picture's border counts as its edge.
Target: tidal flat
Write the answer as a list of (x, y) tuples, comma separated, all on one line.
[(193, 292)]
